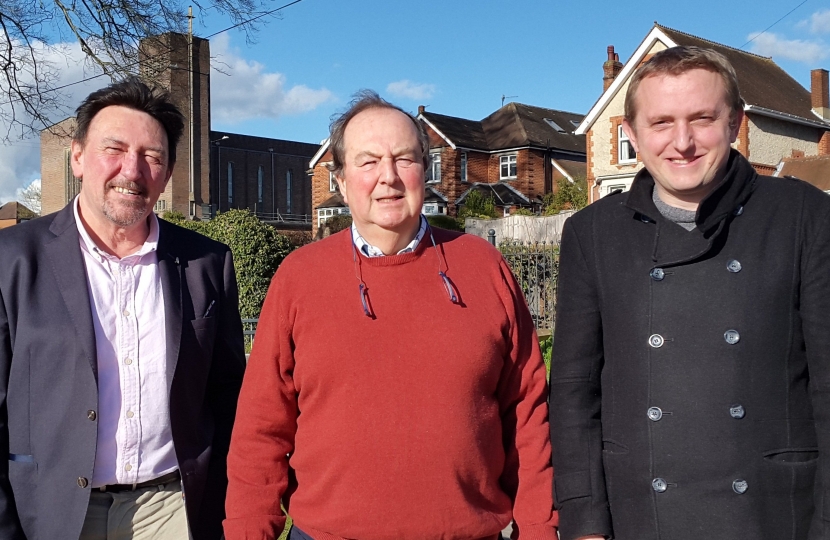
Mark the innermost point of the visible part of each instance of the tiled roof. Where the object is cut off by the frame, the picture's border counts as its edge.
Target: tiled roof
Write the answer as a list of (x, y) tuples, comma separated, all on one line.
[(503, 194), (513, 126), (335, 201), (814, 170), (762, 82), (462, 132), (575, 169)]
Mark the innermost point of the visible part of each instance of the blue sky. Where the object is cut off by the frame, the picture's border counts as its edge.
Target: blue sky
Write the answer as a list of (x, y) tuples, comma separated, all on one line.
[(458, 58)]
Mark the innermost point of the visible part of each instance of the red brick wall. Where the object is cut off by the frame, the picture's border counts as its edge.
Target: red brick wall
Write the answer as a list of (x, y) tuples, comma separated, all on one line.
[(824, 144), (319, 189), (743, 137)]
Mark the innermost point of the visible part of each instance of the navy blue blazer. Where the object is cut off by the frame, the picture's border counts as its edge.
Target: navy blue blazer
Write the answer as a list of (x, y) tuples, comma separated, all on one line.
[(48, 375)]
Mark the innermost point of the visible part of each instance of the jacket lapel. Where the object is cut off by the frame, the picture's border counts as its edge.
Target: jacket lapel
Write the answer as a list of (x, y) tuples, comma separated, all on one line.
[(170, 269), (67, 262)]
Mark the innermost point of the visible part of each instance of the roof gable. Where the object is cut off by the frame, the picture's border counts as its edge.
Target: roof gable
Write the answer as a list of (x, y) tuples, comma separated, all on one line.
[(814, 170), (765, 87)]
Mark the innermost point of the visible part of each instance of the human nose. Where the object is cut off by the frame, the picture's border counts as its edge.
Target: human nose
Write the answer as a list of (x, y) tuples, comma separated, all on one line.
[(131, 165), (388, 172), (683, 139)]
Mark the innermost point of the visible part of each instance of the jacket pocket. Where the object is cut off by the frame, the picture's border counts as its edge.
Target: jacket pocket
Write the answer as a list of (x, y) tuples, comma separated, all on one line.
[(792, 456)]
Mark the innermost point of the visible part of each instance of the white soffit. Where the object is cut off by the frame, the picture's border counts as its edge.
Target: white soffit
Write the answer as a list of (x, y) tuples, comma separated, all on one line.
[(654, 36)]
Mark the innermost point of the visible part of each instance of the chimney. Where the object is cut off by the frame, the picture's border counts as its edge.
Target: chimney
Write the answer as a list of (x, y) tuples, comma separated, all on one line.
[(819, 93), (610, 68), (421, 109)]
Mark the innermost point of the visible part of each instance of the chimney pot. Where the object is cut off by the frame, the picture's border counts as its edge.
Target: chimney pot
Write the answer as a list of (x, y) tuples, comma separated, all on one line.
[(610, 68), (421, 109), (610, 53)]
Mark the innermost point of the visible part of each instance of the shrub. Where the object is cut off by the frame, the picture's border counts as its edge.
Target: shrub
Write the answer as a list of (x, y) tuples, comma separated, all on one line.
[(258, 249), (569, 195), (477, 205), (446, 222)]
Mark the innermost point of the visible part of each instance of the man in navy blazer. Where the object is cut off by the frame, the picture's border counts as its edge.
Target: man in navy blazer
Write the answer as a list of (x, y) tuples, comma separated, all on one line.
[(121, 351)]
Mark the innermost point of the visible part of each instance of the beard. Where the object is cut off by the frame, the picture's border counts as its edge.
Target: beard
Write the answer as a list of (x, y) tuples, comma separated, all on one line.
[(125, 213)]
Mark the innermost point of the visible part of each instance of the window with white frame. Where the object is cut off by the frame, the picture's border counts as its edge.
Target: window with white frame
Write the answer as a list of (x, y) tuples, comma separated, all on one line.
[(434, 172), (230, 182), (332, 182), (507, 211), (259, 173), (323, 214), (626, 152), (463, 167), (508, 167), (430, 209), (160, 206)]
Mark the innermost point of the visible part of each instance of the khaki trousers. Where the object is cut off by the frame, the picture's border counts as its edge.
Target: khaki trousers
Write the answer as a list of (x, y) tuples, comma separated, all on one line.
[(152, 513)]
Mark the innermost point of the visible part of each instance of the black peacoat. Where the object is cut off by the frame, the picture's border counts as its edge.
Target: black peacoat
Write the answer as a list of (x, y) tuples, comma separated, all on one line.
[(690, 380)]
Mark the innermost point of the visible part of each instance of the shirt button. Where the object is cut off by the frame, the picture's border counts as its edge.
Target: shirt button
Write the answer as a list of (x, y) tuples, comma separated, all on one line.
[(732, 336), (130, 414), (657, 274), (128, 467), (740, 486), (659, 485), (82, 482), (92, 415), (655, 414), (656, 341), (126, 313), (128, 361), (733, 266), (737, 411)]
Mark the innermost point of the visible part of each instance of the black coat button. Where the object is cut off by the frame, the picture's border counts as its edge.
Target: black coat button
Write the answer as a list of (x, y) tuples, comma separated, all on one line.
[(740, 486), (655, 414), (738, 211), (92, 415), (737, 411), (732, 336), (656, 341), (657, 274), (733, 266), (82, 482), (659, 485)]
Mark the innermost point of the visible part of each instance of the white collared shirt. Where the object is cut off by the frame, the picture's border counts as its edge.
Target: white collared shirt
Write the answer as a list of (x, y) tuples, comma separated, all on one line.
[(371, 251), (135, 440)]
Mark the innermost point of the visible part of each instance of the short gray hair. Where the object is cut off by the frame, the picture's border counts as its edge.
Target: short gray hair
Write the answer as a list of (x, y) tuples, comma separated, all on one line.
[(361, 101)]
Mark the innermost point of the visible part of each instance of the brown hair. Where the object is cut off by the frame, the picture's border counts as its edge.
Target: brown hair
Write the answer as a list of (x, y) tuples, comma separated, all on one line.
[(678, 60), (361, 101), (135, 94)]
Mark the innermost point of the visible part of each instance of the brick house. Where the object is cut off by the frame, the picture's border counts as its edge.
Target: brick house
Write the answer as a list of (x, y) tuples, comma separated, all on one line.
[(515, 154), (781, 117), (214, 171)]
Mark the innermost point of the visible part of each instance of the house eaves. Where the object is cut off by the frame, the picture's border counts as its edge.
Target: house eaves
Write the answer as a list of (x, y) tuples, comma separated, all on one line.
[(632, 64), (786, 117), (324, 146), (432, 126)]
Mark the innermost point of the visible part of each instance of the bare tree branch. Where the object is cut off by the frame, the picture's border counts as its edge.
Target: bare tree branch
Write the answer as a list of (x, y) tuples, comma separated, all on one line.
[(108, 32)]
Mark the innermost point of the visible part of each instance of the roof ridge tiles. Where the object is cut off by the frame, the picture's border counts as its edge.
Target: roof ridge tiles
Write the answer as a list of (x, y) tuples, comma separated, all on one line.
[(664, 27)]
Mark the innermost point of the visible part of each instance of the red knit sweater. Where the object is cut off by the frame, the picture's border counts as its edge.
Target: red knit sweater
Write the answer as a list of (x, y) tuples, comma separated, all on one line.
[(428, 421)]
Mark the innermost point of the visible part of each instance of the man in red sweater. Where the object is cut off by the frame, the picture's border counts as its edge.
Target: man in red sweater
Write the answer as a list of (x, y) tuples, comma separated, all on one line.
[(396, 389)]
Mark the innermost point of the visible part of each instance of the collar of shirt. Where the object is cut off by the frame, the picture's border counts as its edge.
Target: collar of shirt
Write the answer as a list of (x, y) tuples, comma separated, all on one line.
[(150, 245), (371, 251)]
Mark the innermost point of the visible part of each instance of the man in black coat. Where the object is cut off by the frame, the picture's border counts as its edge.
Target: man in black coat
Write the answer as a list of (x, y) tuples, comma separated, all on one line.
[(690, 383), (121, 352)]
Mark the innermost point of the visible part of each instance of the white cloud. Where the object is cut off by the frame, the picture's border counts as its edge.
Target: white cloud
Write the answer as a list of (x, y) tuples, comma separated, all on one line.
[(245, 90), (20, 159), (820, 22), (799, 50), (411, 90)]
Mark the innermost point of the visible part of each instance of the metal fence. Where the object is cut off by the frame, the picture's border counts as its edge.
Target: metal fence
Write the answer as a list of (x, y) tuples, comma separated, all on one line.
[(249, 329), (536, 267)]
